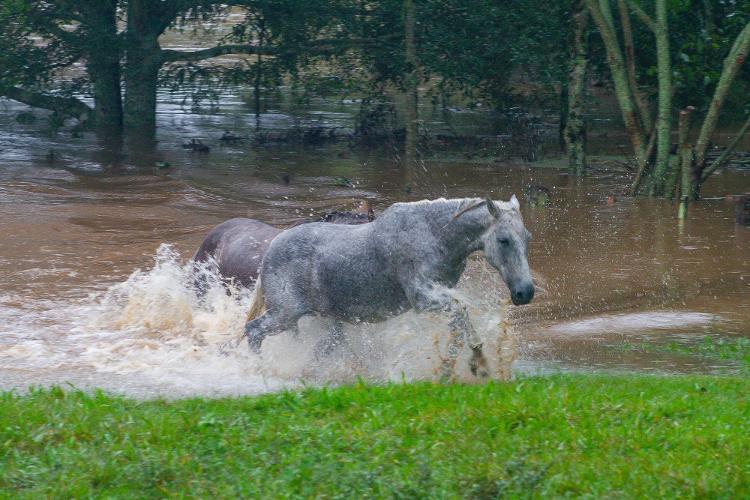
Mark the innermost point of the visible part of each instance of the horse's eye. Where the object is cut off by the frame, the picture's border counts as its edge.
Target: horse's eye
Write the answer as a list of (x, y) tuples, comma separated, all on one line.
[(505, 242)]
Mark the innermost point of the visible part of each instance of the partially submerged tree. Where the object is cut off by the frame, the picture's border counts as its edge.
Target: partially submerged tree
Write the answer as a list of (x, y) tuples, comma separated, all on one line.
[(651, 140), (574, 131), (55, 34)]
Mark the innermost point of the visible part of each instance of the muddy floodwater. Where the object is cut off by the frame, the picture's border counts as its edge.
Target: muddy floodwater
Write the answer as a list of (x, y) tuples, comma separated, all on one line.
[(94, 290)]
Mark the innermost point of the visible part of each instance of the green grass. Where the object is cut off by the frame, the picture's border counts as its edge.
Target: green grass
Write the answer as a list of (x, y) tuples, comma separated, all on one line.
[(577, 435)]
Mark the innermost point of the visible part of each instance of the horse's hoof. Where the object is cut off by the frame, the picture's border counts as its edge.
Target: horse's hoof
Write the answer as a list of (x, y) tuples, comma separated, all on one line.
[(480, 372), (478, 364), (448, 372)]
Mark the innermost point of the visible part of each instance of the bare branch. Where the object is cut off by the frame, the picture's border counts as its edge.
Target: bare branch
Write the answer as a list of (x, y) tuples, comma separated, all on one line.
[(618, 70), (317, 47), (728, 152), (219, 50), (732, 65), (67, 106), (642, 15)]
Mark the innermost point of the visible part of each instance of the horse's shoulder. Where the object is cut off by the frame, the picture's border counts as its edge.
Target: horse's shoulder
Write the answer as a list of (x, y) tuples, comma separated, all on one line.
[(313, 233), (416, 218)]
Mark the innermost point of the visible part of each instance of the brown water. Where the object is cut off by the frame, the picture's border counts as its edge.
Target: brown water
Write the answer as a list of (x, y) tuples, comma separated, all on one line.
[(75, 230)]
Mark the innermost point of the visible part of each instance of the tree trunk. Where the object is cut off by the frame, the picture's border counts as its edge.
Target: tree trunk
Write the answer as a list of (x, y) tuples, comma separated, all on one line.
[(664, 123), (142, 64), (575, 127), (259, 70), (103, 54), (685, 151), (563, 112), (411, 85), (141, 80), (627, 37), (641, 172), (107, 98), (742, 210), (623, 91)]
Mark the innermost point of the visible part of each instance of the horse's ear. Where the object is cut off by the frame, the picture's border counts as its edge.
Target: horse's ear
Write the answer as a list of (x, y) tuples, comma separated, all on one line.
[(494, 212), (514, 202)]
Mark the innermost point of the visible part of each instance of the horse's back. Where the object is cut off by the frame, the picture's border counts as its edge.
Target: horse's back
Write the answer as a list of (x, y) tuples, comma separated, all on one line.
[(319, 240), (333, 270), (238, 246)]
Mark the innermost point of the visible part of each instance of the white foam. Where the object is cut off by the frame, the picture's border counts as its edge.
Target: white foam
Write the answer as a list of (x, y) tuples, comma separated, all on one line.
[(650, 320)]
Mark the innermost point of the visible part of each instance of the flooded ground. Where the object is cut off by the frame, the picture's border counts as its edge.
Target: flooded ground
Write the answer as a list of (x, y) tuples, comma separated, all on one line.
[(94, 290)]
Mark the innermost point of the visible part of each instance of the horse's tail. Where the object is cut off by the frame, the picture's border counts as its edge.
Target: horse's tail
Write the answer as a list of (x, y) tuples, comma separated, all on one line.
[(258, 305)]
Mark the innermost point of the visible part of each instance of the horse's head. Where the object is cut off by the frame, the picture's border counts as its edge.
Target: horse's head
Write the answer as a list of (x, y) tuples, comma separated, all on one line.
[(506, 249)]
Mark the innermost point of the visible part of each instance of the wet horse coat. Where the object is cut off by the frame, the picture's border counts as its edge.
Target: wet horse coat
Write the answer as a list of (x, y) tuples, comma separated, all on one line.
[(407, 258), (238, 245)]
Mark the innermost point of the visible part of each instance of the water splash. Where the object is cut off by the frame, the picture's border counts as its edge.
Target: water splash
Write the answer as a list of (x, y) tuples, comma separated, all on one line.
[(155, 333)]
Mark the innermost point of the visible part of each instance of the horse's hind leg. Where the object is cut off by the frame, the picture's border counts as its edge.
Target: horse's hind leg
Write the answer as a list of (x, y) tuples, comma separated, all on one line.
[(267, 324)]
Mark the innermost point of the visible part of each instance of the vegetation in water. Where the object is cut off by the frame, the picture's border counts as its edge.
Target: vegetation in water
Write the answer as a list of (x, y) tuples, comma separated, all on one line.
[(731, 349), (657, 57), (579, 435)]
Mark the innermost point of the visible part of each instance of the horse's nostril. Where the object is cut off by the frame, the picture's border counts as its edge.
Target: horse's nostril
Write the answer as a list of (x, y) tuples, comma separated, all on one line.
[(523, 295)]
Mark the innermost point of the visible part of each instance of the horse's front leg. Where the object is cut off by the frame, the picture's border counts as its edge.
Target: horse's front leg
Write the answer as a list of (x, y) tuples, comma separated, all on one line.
[(429, 298), (461, 327)]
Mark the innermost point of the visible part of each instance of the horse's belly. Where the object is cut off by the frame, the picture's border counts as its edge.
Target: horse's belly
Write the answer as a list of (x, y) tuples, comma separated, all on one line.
[(355, 300), (368, 311)]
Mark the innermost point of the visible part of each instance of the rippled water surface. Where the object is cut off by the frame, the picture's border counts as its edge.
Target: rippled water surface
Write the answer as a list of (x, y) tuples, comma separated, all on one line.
[(94, 288)]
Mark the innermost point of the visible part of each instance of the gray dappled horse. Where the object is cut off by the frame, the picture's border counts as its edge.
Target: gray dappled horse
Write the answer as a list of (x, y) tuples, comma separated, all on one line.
[(237, 246), (409, 257)]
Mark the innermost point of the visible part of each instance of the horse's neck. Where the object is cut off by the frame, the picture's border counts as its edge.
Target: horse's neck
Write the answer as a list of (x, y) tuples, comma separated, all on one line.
[(462, 235)]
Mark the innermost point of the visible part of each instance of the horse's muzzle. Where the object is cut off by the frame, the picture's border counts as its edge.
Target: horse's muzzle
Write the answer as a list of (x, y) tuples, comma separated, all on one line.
[(522, 294)]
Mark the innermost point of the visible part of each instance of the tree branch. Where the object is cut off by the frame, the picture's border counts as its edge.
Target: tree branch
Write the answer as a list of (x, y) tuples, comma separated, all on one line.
[(624, 93), (732, 65), (66, 106), (606, 9), (728, 152), (220, 50), (642, 15), (315, 47)]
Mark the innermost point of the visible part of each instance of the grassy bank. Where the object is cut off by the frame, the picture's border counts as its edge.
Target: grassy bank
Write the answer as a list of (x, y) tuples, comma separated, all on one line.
[(564, 435)]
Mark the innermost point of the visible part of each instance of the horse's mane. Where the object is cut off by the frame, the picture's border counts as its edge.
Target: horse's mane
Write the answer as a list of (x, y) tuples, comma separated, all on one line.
[(338, 217), (463, 204)]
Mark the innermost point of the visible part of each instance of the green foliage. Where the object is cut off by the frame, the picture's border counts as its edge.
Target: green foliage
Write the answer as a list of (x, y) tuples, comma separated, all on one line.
[(473, 49), (22, 61), (701, 34), (594, 436)]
